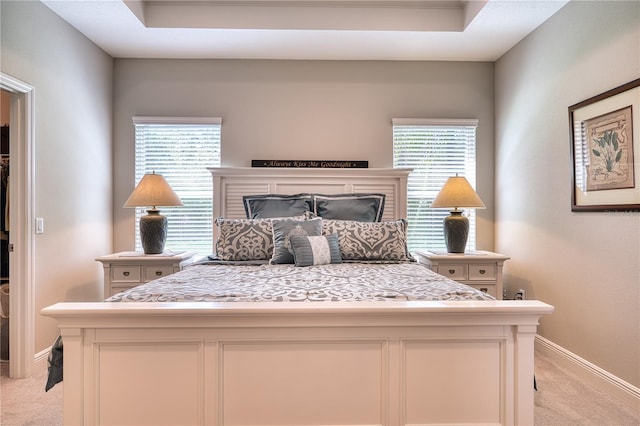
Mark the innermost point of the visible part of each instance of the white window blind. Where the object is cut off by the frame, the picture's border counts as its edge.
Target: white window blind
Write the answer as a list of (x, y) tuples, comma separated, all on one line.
[(436, 150), (181, 149)]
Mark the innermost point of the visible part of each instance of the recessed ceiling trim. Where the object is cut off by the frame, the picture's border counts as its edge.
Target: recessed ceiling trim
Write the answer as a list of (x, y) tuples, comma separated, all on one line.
[(427, 4), (137, 7), (491, 27), (440, 16)]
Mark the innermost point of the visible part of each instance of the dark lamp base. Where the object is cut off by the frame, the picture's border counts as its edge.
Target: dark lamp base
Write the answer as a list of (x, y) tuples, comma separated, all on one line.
[(456, 231), (153, 232)]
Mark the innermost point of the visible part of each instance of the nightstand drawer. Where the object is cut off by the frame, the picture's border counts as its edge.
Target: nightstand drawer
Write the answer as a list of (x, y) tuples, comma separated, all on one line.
[(487, 288), (153, 272), (125, 274), (455, 272), (117, 288), (482, 272)]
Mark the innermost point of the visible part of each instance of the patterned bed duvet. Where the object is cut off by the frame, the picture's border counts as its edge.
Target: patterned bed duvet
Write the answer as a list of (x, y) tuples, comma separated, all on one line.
[(215, 282)]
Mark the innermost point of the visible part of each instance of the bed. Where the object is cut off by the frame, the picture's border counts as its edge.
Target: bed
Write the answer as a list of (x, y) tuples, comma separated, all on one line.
[(300, 344)]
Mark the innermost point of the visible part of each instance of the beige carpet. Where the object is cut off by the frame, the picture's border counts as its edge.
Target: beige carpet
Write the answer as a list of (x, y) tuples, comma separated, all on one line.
[(561, 400), (23, 402)]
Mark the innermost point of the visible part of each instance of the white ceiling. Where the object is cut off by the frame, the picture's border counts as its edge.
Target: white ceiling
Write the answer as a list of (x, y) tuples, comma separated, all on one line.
[(447, 30)]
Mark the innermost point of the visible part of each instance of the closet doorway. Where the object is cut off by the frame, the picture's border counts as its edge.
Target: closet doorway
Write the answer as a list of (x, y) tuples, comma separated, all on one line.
[(5, 107), (21, 243)]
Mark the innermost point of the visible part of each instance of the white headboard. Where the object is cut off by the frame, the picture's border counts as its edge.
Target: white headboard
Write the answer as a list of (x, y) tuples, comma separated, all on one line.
[(231, 183)]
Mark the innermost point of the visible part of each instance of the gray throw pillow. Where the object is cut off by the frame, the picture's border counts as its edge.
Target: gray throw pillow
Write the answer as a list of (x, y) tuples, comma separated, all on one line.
[(276, 205), (284, 229), (359, 207)]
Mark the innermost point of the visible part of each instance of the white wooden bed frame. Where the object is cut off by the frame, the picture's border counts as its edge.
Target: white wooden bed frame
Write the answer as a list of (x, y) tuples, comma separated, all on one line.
[(377, 363)]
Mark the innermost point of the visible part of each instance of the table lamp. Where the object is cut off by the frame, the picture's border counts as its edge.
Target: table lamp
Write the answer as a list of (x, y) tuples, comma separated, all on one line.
[(456, 193), (153, 191)]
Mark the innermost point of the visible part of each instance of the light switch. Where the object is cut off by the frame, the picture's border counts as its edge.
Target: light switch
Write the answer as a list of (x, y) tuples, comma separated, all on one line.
[(39, 225)]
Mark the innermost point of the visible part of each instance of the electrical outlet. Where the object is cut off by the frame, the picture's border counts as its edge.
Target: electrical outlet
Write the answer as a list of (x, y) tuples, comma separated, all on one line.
[(519, 295)]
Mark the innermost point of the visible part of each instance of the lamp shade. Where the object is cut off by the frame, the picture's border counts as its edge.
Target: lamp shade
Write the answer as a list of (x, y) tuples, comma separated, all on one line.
[(457, 193), (153, 191)]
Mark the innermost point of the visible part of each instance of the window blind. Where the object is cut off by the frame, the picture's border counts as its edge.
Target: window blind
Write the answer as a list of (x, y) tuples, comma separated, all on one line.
[(436, 150), (181, 149)]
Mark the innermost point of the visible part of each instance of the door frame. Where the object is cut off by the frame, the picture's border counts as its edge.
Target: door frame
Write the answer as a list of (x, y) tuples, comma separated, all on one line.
[(22, 222)]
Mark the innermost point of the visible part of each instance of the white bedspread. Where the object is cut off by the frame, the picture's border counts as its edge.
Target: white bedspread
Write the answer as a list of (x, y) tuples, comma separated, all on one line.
[(277, 283)]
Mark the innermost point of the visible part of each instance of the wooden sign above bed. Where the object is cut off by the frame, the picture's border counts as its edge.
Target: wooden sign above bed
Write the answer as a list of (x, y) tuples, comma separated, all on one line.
[(322, 164)]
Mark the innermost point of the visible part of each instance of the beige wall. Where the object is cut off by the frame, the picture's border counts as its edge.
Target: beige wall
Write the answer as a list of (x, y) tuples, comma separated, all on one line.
[(301, 110), (72, 82), (585, 264)]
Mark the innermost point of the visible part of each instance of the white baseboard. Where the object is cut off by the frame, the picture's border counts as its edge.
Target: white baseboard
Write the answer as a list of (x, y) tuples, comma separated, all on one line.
[(41, 358), (606, 382)]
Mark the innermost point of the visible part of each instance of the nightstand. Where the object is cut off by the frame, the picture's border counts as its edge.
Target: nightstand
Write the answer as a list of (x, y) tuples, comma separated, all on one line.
[(478, 269), (126, 270)]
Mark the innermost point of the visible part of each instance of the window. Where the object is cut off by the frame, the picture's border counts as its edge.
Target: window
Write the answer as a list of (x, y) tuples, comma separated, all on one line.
[(435, 150), (181, 149)]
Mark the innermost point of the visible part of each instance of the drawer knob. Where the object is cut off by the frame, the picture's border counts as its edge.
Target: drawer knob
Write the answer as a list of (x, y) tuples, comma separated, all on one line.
[(125, 273), (482, 271), (452, 271), (158, 273)]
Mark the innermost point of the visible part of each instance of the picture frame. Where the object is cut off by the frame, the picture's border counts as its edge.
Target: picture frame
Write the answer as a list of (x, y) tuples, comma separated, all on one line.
[(605, 151)]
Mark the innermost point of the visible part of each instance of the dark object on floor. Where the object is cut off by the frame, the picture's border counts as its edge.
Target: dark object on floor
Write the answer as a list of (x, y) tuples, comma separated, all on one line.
[(55, 364)]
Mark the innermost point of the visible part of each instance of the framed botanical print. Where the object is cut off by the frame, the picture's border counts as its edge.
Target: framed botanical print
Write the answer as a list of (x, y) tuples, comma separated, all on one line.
[(605, 146)]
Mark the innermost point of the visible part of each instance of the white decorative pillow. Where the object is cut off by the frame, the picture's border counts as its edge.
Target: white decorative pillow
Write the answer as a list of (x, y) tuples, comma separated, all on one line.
[(370, 240), (245, 239), (284, 229), (315, 250)]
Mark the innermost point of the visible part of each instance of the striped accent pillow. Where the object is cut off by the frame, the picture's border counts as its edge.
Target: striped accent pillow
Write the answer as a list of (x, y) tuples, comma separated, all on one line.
[(315, 250)]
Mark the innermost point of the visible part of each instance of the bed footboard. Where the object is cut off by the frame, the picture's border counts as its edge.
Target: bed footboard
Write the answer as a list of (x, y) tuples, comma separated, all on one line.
[(389, 363)]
